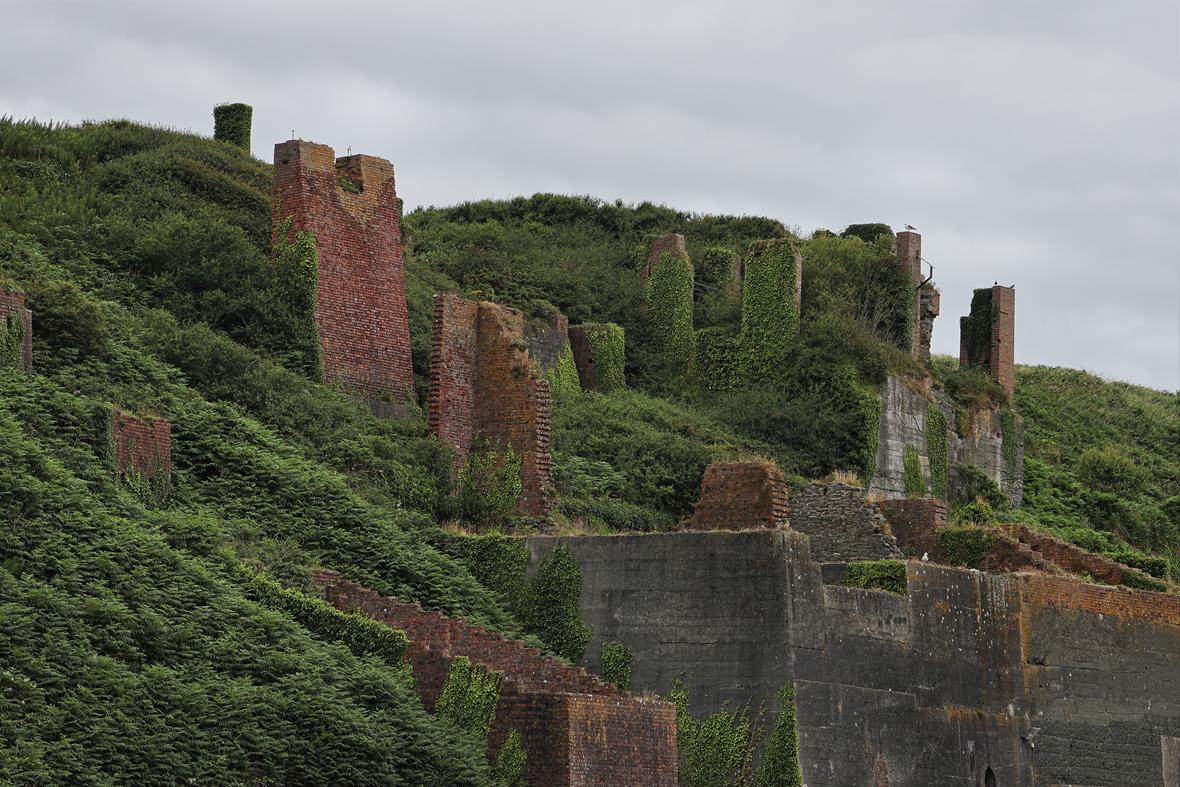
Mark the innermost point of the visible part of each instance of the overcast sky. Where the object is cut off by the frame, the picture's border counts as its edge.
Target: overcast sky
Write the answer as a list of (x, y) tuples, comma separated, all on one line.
[(1032, 143)]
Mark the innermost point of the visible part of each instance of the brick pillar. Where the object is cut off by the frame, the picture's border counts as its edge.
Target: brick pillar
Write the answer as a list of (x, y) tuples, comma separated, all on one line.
[(740, 496), (1003, 338), (142, 447), (350, 204), (14, 317), (909, 259), (664, 244)]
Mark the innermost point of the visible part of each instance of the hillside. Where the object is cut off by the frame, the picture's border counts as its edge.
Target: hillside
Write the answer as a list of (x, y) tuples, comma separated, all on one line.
[(138, 639)]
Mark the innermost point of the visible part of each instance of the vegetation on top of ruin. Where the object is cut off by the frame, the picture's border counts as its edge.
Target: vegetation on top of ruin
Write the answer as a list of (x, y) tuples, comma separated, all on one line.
[(145, 255)]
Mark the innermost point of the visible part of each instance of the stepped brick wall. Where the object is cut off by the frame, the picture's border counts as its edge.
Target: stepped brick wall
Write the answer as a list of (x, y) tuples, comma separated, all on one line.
[(576, 729), (547, 339), (1041, 680), (740, 496), (360, 305), (909, 259), (1070, 557), (999, 355), (143, 446), (484, 384), (841, 524), (12, 308), (664, 244), (914, 522)]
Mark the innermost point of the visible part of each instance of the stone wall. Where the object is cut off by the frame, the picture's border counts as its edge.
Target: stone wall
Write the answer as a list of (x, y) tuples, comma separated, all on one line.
[(914, 523), (904, 408), (360, 303), (547, 339), (740, 496), (575, 728), (142, 447), (484, 384), (1042, 681), (17, 317), (841, 524)]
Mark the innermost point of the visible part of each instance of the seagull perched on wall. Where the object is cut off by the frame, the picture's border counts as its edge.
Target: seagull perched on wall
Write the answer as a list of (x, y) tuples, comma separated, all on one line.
[(911, 227), (925, 557)]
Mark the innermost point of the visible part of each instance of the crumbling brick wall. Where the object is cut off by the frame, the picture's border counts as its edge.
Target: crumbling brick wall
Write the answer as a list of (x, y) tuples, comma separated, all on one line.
[(599, 355), (576, 729), (664, 244), (547, 339), (484, 384), (17, 318), (350, 204), (995, 306), (740, 496), (914, 522), (841, 524), (929, 300), (142, 447), (909, 259)]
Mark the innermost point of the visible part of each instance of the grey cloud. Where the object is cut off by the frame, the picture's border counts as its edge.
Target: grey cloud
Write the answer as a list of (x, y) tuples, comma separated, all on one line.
[(1031, 142)]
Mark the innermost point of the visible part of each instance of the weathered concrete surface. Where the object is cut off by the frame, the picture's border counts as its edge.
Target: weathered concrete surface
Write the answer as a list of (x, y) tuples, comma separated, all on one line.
[(903, 423), (1042, 680)]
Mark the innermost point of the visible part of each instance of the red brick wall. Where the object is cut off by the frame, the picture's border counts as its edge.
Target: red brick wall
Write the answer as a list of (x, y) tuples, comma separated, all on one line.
[(575, 728), (740, 496), (143, 446), (12, 304), (909, 259), (1003, 338), (1044, 591), (360, 310), (659, 246), (485, 384), (914, 522), (1072, 558)]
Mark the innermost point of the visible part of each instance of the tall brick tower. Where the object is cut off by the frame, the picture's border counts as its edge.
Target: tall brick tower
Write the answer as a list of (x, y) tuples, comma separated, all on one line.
[(350, 205), (987, 336), (909, 259)]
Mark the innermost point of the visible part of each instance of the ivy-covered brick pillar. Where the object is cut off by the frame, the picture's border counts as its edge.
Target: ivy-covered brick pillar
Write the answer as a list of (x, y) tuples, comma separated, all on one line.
[(771, 297), (349, 206), (231, 123), (16, 330), (668, 278), (600, 355), (987, 335)]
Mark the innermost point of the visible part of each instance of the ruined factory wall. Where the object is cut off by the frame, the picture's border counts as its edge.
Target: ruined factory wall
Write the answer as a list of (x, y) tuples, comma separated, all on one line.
[(841, 524), (16, 330), (993, 441), (967, 672), (350, 206), (484, 384), (739, 496)]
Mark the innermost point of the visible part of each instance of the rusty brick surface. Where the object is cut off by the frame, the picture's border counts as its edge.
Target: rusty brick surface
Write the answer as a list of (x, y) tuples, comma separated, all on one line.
[(576, 729), (914, 522), (740, 496), (484, 384), (143, 446), (909, 259), (360, 310)]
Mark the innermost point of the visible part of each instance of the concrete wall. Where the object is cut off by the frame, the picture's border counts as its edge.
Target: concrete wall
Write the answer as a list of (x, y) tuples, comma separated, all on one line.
[(1042, 680)]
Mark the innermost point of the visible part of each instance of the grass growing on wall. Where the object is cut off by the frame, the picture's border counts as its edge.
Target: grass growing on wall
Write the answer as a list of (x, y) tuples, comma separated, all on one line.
[(888, 575), (936, 450)]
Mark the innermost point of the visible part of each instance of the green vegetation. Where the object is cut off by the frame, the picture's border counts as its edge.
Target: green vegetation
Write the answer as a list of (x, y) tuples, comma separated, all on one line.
[(770, 316), (915, 482), (231, 123), (936, 451), (563, 377), (888, 575), (511, 762), (553, 614), (975, 330), (608, 350), (488, 486), (616, 664), (468, 698), (964, 546), (669, 311), (780, 754)]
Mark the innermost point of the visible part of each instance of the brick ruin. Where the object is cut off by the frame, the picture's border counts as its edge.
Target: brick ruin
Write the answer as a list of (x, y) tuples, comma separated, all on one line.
[(914, 523), (663, 244), (740, 495), (909, 259), (351, 206), (599, 369), (18, 318), (575, 728), (1035, 679), (547, 339), (142, 447), (996, 352), (485, 385)]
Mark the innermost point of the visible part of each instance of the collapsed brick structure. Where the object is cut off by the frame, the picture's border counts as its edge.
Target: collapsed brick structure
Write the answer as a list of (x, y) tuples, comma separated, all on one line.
[(740, 496), (575, 728), (915, 522), (350, 205), (663, 244), (909, 259), (16, 318), (484, 385), (992, 348), (142, 447)]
